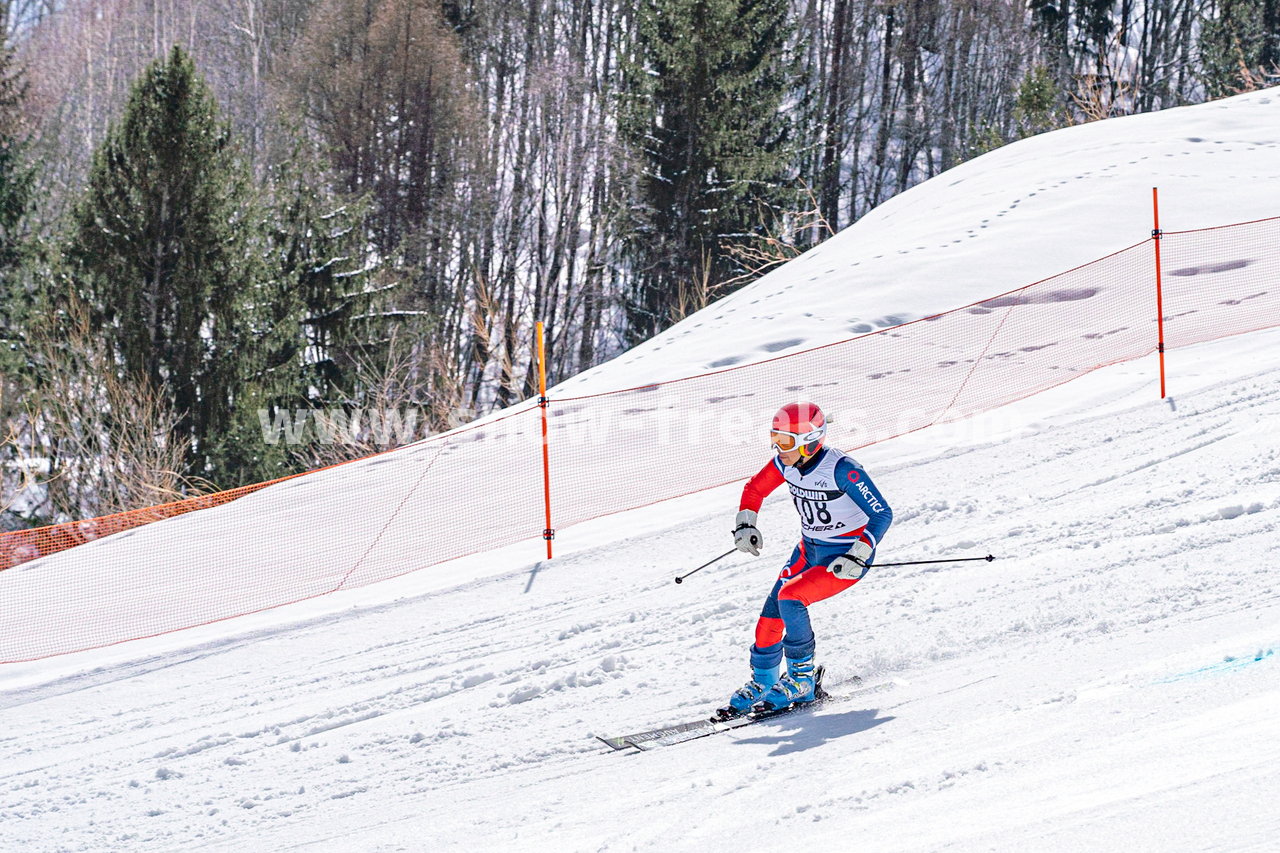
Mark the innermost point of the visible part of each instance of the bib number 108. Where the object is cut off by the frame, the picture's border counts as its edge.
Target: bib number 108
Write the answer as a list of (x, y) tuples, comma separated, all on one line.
[(813, 512)]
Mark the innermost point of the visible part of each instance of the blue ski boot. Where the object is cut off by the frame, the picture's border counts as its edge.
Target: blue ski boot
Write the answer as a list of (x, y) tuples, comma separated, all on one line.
[(750, 693), (798, 686)]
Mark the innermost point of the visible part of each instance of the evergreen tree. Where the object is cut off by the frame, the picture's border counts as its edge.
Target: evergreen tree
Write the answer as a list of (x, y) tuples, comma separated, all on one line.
[(167, 247), (1094, 24), (266, 372), (16, 181), (1037, 107), (1052, 20), (704, 112), (1269, 52), (1242, 41), (320, 258)]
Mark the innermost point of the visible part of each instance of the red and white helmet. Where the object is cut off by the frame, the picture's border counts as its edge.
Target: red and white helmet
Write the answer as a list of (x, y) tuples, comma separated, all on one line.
[(799, 426)]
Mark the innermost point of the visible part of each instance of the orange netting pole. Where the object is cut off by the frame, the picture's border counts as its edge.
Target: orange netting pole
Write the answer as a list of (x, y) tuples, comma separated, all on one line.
[(1156, 233), (547, 532)]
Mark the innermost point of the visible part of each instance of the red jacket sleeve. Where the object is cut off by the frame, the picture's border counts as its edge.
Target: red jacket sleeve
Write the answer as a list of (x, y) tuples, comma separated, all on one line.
[(758, 487)]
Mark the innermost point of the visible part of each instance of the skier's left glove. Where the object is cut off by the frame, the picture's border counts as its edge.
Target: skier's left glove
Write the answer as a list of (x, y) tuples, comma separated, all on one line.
[(853, 565)]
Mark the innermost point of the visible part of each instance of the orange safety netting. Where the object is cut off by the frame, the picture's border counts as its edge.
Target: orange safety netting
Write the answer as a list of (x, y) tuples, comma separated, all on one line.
[(480, 487), (25, 545)]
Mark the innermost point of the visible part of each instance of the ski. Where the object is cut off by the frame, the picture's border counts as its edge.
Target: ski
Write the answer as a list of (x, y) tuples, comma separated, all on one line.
[(682, 732)]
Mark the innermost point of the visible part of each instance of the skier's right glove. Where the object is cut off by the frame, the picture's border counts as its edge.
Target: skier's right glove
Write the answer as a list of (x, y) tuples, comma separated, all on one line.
[(745, 536)]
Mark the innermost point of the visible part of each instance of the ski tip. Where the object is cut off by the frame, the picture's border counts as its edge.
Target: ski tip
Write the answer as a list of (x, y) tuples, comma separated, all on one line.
[(613, 743)]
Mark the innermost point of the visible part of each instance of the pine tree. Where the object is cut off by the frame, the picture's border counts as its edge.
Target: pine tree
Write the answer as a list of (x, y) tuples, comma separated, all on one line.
[(1240, 47), (1269, 52), (1094, 24), (167, 248), (320, 258), (704, 112), (1036, 108), (1052, 20), (17, 180)]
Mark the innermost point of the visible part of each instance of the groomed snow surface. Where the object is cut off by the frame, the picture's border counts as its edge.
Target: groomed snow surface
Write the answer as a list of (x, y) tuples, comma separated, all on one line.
[(1111, 682)]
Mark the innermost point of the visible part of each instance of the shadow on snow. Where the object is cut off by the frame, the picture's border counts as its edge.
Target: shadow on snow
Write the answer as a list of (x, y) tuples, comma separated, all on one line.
[(806, 731)]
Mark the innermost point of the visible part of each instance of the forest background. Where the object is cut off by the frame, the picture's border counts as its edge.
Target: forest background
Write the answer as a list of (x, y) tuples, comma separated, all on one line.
[(244, 238)]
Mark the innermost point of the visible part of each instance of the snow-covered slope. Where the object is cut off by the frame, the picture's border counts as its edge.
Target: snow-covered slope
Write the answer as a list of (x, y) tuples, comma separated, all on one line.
[(1111, 680), (233, 559), (1009, 218)]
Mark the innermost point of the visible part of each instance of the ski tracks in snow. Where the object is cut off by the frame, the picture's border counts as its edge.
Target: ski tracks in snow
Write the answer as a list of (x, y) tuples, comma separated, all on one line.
[(1133, 547)]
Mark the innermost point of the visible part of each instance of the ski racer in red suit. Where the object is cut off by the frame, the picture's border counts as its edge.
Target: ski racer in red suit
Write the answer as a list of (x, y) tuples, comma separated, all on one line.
[(843, 517)]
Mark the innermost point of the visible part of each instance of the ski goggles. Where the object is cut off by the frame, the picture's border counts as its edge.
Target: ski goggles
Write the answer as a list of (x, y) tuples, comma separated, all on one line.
[(788, 441)]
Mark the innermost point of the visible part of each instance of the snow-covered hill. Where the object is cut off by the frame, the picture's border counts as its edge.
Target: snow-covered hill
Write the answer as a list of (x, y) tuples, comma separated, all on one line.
[(1017, 215), (1111, 681)]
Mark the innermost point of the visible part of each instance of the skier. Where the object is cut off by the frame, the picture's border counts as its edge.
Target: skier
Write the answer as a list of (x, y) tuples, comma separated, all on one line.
[(842, 518)]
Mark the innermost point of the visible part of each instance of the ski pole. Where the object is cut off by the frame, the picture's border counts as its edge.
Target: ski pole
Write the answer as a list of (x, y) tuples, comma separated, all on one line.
[(988, 558), (680, 578)]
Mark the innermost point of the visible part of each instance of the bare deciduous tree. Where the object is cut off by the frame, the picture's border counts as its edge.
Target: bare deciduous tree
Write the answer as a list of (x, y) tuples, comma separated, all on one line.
[(403, 393), (109, 440)]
